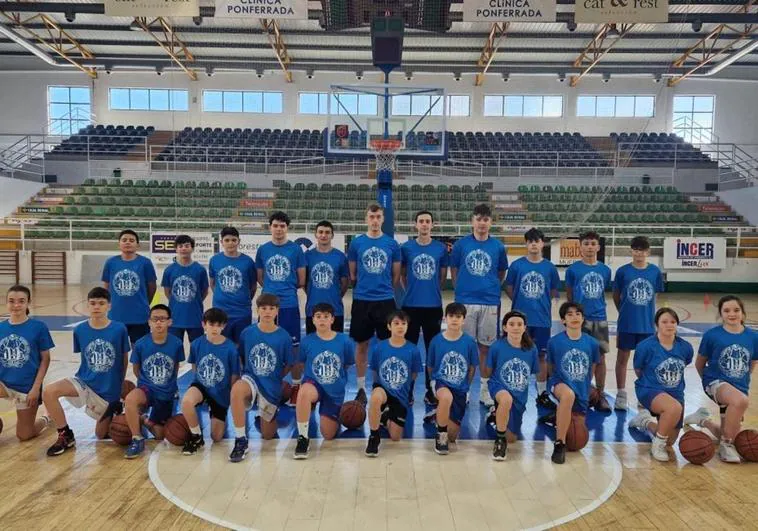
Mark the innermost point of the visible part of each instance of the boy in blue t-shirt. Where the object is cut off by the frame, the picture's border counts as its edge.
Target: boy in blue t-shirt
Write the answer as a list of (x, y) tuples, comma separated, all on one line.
[(155, 361), (572, 356), (130, 279), (325, 357), (327, 277), (96, 386), (634, 290), (395, 363), (266, 351), (185, 283), (216, 367), (451, 362), (233, 281), (532, 283)]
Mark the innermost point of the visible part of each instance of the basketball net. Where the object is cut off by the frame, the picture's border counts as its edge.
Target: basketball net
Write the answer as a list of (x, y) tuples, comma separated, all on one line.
[(385, 150)]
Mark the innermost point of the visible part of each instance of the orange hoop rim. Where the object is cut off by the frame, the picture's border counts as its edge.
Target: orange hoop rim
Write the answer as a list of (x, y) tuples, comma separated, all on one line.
[(385, 144)]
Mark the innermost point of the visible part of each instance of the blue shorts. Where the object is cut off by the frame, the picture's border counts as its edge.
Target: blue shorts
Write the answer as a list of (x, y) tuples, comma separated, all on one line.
[(458, 407), (646, 396), (327, 406), (192, 333), (235, 326), (160, 410), (517, 410), (540, 335), (289, 319), (579, 405), (629, 341)]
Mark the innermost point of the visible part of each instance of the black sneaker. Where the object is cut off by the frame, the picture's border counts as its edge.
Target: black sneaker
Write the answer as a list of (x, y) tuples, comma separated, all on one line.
[(559, 453), (491, 415), (193, 444), (63, 443), (429, 398), (500, 451), (240, 450), (372, 448), (543, 400), (548, 419), (441, 446), (361, 397), (301, 450)]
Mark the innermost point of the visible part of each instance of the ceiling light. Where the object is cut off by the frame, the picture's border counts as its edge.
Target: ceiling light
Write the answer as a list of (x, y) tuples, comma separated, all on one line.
[(612, 32)]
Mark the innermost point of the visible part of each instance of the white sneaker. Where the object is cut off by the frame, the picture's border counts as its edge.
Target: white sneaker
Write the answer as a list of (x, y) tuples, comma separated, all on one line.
[(728, 453), (620, 404), (697, 418), (641, 421), (658, 449), (485, 398)]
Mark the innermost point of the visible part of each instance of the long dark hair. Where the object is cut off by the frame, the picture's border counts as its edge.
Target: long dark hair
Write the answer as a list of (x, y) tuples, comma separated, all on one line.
[(728, 298), (526, 341), (22, 289)]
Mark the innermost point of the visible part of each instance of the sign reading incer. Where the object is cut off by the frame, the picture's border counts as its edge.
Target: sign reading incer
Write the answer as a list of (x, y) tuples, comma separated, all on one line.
[(694, 253)]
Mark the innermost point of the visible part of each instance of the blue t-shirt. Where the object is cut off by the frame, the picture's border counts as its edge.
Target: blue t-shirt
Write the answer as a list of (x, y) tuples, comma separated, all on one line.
[(234, 278), (478, 264), (266, 354), (449, 361), (279, 264), (158, 365), (532, 284), (374, 258), (422, 279), (662, 370), (572, 362), (326, 362), (729, 356), (102, 367), (127, 282), (187, 284), (637, 288), (395, 367), (324, 274), (511, 369), (588, 285), (214, 367), (21, 346)]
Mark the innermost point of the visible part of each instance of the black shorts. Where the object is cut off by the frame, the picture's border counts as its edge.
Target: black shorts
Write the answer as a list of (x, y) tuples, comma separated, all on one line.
[(369, 317), (217, 410), (338, 325), (396, 412), (137, 332), (427, 320)]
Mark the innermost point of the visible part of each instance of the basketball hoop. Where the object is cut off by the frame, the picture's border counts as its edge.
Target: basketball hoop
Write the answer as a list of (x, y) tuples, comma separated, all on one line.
[(385, 150)]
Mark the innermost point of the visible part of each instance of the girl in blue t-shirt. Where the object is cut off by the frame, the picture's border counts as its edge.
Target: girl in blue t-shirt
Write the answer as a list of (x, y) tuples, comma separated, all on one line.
[(25, 345), (726, 359), (659, 363)]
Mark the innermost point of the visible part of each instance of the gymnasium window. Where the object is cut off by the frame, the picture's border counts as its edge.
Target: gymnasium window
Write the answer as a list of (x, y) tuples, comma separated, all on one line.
[(615, 106), (523, 106), (458, 105), (233, 101), (418, 105), (693, 118), (68, 109), (139, 99), (356, 104)]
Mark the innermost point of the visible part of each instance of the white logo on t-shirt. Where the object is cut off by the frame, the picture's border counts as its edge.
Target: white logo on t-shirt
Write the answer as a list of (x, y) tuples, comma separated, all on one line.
[(210, 371), (576, 364), (184, 289), (230, 279), (423, 267), (734, 361), (14, 351), (394, 372), (478, 263), (532, 285), (126, 283), (669, 372), (454, 367), (326, 367), (100, 355), (592, 285), (515, 374), (322, 275), (262, 359), (640, 291), (278, 268), (374, 260), (158, 368)]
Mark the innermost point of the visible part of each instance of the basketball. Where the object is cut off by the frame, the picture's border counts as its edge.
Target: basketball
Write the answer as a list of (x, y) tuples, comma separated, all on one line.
[(126, 388), (352, 415), (594, 396), (177, 430), (577, 435), (286, 391), (696, 447), (120, 432), (746, 443)]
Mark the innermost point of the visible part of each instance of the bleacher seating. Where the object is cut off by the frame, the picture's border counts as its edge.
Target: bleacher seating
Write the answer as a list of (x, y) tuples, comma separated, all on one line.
[(103, 140), (658, 149)]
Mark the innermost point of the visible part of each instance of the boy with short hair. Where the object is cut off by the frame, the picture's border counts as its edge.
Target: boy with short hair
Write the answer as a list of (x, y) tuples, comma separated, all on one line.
[(327, 277), (266, 351), (185, 283), (104, 348), (325, 357), (233, 280), (451, 362), (155, 362), (130, 279), (395, 363), (216, 366), (634, 289)]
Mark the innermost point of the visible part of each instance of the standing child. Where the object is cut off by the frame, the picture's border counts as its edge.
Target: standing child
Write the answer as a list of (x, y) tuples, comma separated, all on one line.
[(395, 362), (104, 348), (510, 362), (451, 361), (25, 345), (327, 277), (185, 283), (155, 362), (216, 365)]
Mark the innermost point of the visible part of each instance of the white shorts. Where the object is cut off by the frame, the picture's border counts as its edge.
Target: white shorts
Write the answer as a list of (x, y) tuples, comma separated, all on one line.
[(482, 323), (712, 390), (94, 405), (17, 398), (266, 410)]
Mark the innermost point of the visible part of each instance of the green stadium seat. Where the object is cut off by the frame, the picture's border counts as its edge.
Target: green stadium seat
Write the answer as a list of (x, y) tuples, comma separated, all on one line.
[(106, 182)]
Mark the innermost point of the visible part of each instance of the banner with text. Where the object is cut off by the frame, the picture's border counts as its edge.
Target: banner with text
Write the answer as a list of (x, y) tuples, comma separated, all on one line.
[(509, 10), (276, 9), (694, 253), (152, 8), (621, 11), (163, 250)]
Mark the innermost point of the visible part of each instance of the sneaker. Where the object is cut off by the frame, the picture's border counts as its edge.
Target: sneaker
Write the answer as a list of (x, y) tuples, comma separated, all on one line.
[(728, 453), (602, 404), (620, 404), (301, 450), (484, 397), (698, 417), (500, 451), (372, 448), (430, 399), (491, 415), (239, 451), (293, 397), (658, 449), (193, 444), (641, 421), (548, 419), (361, 397), (431, 417), (543, 400), (63, 443), (135, 449), (559, 453), (441, 446)]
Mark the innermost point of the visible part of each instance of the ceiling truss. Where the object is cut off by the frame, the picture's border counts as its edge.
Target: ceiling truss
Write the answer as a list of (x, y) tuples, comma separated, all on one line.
[(164, 35), (271, 27), (607, 37), (496, 35)]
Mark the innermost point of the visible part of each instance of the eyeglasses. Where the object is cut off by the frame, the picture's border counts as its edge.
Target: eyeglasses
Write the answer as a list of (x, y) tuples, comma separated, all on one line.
[(158, 319)]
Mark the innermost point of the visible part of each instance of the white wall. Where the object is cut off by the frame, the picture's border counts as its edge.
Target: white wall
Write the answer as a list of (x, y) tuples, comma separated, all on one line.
[(743, 201), (15, 192)]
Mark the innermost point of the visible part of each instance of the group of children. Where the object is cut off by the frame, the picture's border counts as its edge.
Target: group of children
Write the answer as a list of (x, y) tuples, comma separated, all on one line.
[(239, 364)]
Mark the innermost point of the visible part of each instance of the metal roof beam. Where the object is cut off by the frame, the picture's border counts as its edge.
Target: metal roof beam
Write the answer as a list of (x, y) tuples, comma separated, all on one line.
[(496, 35), (598, 48), (271, 27), (164, 35)]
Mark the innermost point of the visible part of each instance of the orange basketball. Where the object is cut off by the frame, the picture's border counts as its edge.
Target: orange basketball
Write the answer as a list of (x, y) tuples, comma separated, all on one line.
[(746, 443), (119, 431), (696, 447), (126, 388), (177, 430), (577, 435), (352, 415)]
